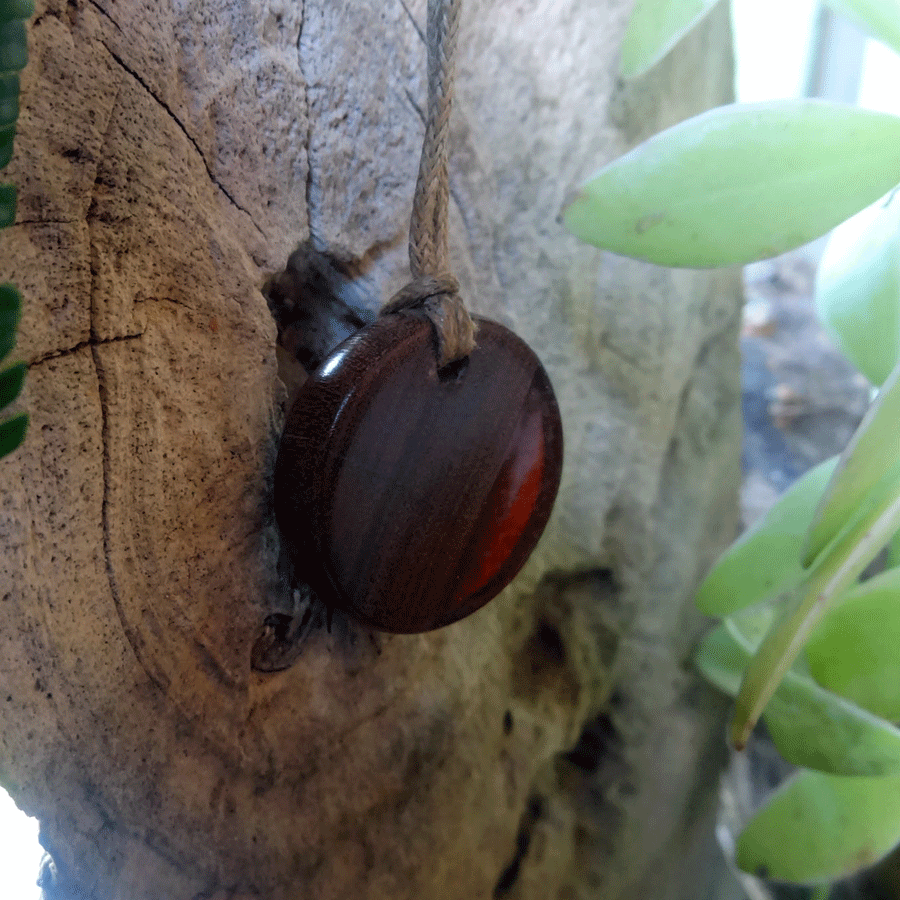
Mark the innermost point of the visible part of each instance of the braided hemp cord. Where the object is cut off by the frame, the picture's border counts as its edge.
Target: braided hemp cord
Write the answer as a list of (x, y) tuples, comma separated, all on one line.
[(433, 288)]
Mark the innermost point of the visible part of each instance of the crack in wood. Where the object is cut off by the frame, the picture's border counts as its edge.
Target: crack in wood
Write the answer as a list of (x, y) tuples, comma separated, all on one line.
[(59, 354), (44, 222), (168, 110), (312, 189), (534, 812), (95, 342), (412, 102), (130, 633), (103, 12), (415, 23)]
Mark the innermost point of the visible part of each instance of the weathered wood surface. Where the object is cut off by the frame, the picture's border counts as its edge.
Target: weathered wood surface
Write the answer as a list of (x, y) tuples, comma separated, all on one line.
[(169, 157)]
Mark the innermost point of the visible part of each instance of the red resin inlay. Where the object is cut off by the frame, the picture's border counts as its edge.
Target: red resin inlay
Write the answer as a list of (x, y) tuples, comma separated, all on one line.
[(511, 504)]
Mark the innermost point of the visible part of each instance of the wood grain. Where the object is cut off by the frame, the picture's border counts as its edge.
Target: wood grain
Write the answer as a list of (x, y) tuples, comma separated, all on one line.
[(412, 497)]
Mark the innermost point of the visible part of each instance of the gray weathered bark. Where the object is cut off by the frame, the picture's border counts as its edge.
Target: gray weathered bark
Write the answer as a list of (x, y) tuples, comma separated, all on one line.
[(555, 744)]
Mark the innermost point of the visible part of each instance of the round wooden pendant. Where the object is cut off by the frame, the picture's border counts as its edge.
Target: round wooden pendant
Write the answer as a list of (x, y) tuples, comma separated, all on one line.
[(412, 497)]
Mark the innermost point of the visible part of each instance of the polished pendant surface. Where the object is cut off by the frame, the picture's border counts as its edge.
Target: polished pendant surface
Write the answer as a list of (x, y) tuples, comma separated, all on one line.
[(411, 497)]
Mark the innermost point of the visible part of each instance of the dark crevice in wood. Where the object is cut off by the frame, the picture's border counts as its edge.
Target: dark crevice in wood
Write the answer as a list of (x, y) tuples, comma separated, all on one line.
[(280, 642), (597, 741), (315, 301), (534, 812), (283, 633)]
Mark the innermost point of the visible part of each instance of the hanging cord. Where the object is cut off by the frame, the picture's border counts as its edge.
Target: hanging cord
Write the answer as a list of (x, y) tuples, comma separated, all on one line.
[(433, 288)]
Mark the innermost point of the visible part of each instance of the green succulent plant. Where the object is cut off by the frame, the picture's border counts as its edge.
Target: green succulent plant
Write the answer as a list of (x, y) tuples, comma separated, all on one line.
[(13, 56), (802, 642)]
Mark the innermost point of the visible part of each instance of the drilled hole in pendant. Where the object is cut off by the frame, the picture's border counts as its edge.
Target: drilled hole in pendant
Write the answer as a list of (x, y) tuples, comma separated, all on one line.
[(453, 371)]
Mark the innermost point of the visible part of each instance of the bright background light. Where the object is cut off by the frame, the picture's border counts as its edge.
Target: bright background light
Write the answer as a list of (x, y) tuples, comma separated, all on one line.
[(20, 853), (772, 42), (776, 42), (880, 78)]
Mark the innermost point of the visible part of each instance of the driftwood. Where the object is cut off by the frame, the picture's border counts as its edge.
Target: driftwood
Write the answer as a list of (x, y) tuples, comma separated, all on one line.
[(556, 744)]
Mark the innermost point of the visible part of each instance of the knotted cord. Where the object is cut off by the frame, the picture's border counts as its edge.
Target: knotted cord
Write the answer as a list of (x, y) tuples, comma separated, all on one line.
[(433, 288)]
